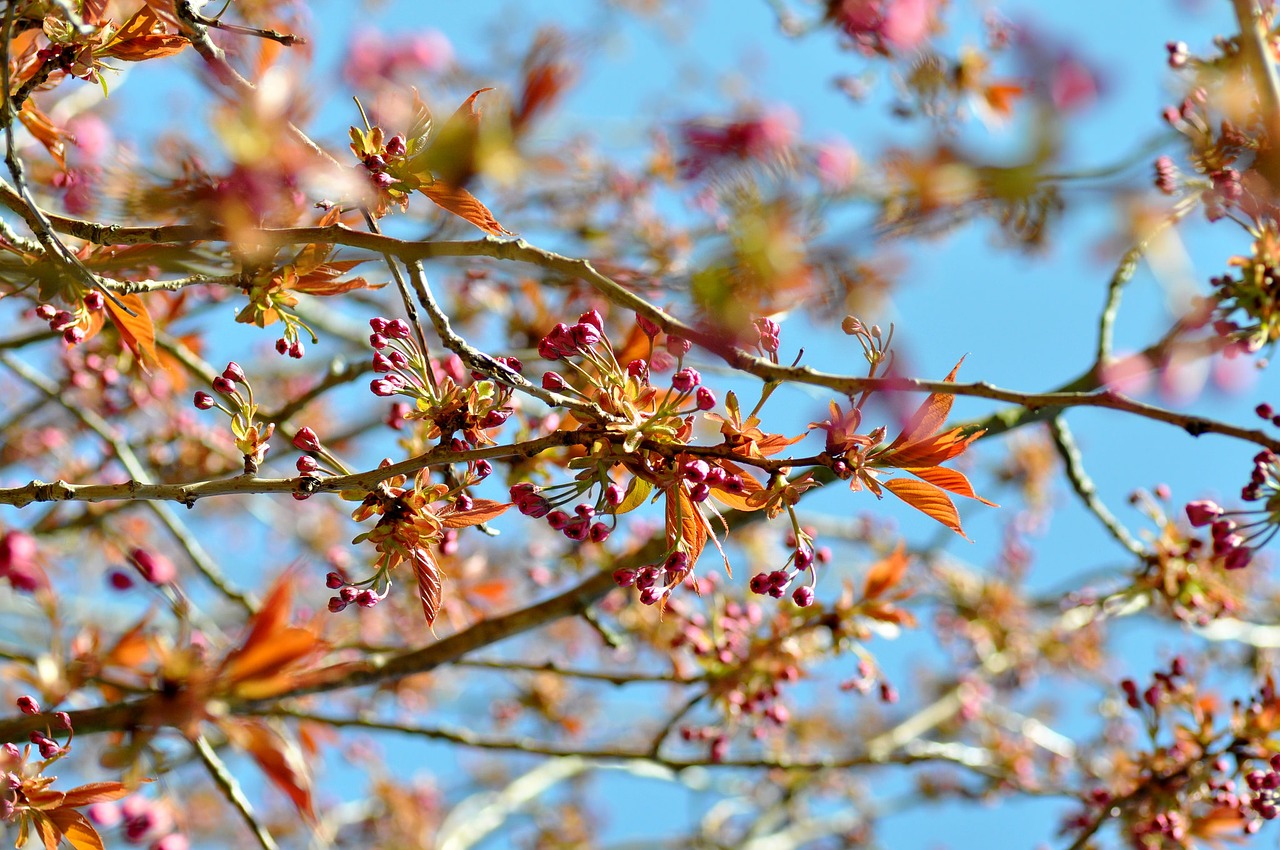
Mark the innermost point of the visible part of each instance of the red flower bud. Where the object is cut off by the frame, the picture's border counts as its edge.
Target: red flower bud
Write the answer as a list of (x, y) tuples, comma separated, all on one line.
[(306, 440)]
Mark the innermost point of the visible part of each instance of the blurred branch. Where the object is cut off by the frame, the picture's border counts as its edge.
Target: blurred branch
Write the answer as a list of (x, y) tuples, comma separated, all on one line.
[(203, 562), (1083, 485), (230, 788)]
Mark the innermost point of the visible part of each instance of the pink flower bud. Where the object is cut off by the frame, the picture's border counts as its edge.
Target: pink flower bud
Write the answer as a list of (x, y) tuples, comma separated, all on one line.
[(203, 401), (234, 373), (296, 349), (94, 301), (27, 704), (396, 145), (398, 329), (1203, 511), (678, 346), (306, 440), (685, 380), (153, 567), (307, 463), (649, 328), (593, 318), (378, 324), (706, 399), (553, 381), (803, 596), (222, 385)]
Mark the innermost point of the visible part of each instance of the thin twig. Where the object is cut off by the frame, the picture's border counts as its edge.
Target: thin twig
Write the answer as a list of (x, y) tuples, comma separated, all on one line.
[(1083, 485), (230, 788)]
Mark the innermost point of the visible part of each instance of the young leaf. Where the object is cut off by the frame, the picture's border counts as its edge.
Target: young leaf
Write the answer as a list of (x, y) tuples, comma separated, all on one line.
[(929, 417), (949, 479), (886, 573), (685, 523), (463, 204), (430, 586), (637, 492), (137, 331), (482, 510), (75, 828), (927, 499)]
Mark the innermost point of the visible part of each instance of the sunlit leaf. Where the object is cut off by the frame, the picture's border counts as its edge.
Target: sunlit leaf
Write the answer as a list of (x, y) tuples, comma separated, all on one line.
[(884, 574), (927, 499), (637, 492), (137, 331), (463, 204), (482, 510), (76, 829)]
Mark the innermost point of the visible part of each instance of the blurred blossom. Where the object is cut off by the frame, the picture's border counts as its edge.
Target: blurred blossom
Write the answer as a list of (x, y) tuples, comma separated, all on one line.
[(1072, 85), (93, 137), (1233, 375), (1128, 374), (897, 24), (375, 58), (757, 136), (1183, 378), (837, 165)]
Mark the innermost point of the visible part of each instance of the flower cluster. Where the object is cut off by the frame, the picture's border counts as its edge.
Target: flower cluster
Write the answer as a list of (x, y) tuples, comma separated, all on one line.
[(73, 325), (1237, 535), (452, 411), (803, 556), (252, 439)]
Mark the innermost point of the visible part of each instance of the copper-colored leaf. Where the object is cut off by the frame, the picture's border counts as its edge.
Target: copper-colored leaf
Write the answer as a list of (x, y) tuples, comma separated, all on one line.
[(951, 480), (45, 132), (271, 644), (143, 37), (262, 671), (927, 499), (929, 417), (685, 523), (76, 829), (278, 759), (481, 510), (887, 572), (137, 331), (430, 586), (930, 451), (46, 829), (463, 204), (94, 792)]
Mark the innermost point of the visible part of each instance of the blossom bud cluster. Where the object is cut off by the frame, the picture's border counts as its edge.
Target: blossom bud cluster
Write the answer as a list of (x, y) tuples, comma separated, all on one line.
[(583, 524), (1238, 534), (72, 325), (351, 594), (803, 556), (48, 747)]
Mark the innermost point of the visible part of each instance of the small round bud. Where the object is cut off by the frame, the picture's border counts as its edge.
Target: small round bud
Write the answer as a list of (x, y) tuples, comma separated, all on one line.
[(27, 704)]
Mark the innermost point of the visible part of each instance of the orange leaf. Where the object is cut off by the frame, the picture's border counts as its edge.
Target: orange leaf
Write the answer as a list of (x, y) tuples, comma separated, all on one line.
[(76, 829), (949, 479), (430, 587), (927, 499), (929, 417), (463, 204), (142, 37), (886, 572), (280, 760), (930, 451), (45, 132), (94, 792), (137, 331), (47, 830), (271, 644), (685, 523), (258, 673), (481, 510)]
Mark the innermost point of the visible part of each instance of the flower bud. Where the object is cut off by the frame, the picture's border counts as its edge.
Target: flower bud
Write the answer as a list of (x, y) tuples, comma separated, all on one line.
[(27, 704), (306, 440), (203, 401), (234, 373), (396, 145)]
